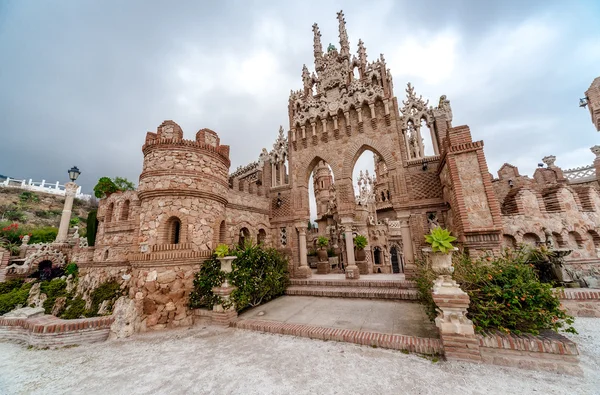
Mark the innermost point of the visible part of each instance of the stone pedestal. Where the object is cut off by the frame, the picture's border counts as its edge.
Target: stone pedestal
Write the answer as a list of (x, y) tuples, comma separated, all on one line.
[(303, 272), (225, 313), (323, 267), (363, 267), (456, 330), (352, 272)]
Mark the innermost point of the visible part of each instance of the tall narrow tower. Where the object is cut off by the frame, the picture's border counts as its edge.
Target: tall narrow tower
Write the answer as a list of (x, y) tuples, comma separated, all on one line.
[(322, 181)]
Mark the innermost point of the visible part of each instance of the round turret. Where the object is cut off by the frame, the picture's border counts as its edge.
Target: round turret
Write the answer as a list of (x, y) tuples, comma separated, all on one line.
[(183, 188)]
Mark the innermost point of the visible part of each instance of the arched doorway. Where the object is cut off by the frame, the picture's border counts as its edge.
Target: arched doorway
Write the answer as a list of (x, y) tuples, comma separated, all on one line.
[(244, 236), (377, 259), (45, 270), (397, 266)]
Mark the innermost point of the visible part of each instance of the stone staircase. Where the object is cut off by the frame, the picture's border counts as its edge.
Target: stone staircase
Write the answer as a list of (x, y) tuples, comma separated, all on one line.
[(341, 288)]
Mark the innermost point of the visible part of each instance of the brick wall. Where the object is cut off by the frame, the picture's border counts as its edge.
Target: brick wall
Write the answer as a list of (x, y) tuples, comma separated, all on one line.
[(50, 331)]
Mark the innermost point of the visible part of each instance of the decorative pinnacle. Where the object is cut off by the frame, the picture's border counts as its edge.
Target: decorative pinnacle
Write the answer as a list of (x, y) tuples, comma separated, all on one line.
[(596, 150), (344, 44), (362, 52)]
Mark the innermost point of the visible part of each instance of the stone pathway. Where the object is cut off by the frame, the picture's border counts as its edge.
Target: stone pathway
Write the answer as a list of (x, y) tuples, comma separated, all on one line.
[(381, 316), (228, 361)]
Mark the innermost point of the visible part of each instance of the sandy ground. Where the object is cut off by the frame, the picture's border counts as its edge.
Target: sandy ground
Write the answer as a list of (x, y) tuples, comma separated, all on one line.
[(226, 361)]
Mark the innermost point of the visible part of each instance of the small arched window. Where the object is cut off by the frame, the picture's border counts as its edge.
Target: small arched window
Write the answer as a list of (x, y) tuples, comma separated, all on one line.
[(109, 212), (173, 230), (125, 211), (261, 237), (106, 255), (222, 233)]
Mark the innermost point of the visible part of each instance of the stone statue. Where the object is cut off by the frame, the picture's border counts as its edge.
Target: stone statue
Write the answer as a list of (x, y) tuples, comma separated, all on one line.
[(331, 47), (76, 234), (549, 239), (25, 240)]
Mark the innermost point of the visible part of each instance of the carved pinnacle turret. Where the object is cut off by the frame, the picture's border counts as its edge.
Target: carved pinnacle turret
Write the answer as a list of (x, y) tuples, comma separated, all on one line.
[(362, 58), (344, 44), (318, 47)]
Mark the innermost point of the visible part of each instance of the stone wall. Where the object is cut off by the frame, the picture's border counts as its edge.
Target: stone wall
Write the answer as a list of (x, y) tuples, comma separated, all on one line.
[(49, 331), (550, 352), (581, 302)]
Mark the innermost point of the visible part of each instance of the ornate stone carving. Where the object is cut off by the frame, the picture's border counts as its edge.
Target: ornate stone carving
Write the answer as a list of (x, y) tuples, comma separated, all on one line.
[(549, 160), (596, 150), (366, 187)]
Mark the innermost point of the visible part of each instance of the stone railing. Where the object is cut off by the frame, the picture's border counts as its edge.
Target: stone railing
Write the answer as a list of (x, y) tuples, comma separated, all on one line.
[(580, 174), (30, 185)]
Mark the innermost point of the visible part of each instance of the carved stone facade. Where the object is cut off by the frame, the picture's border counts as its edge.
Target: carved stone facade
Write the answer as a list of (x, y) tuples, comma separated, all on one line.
[(187, 202)]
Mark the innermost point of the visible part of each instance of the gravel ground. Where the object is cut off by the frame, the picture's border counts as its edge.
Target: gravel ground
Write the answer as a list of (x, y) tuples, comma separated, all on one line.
[(226, 361)]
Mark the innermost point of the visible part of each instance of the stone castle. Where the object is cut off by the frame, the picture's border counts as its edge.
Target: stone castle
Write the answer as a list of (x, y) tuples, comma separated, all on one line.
[(187, 202)]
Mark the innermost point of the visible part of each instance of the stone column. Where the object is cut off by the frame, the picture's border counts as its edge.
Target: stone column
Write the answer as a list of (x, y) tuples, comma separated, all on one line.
[(456, 330), (434, 142), (407, 248), (63, 230), (304, 270), (352, 271)]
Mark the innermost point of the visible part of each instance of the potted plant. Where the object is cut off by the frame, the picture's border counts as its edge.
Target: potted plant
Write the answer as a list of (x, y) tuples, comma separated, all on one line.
[(441, 250), (322, 243), (360, 242), (222, 252)]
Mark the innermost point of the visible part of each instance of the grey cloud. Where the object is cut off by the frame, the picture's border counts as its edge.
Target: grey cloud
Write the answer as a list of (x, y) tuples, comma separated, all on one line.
[(83, 81)]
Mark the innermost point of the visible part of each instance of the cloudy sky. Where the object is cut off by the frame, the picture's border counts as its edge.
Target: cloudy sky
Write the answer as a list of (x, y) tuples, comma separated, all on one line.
[(82, 81)]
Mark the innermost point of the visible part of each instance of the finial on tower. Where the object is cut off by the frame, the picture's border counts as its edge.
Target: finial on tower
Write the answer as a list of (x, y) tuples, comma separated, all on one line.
[(344, 44), (317, 46)]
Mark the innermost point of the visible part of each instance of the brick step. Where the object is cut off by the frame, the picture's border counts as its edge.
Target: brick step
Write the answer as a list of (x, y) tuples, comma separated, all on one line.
[(314, 282), (374, 339), (353, 292)]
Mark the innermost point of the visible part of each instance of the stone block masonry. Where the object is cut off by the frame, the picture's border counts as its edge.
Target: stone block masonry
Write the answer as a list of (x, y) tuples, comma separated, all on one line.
[(581, 302)]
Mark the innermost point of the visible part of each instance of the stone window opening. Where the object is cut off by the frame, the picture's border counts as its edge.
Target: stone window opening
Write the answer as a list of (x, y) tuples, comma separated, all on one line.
[(244, 235), (173, 230), (125, 211), (109, 212), (576, 240), (377, 259), (261, 238), (222, 233), (388, 194), (595, 238), (106, 255)]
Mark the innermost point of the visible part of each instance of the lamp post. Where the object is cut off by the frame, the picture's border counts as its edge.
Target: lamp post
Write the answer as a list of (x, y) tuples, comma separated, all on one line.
[(70, 191)]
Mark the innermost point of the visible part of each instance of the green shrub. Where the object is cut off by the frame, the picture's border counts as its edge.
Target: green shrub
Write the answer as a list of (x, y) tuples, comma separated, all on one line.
[(45, 214), (74, 309), (28, 196), (222, 250), (105, 186), (71, 268), (424, 279), (360, 242), (10, 285), (16, 296), (505, 294), (15, 215), (92, 227), (46, 234), (53, 289), (322, 241), (259, 273), (12, 232), (74, 221), (109, 290)]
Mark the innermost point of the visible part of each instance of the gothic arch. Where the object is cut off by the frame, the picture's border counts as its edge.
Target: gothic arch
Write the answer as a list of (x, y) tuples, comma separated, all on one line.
[(305, 169), (355, 150)]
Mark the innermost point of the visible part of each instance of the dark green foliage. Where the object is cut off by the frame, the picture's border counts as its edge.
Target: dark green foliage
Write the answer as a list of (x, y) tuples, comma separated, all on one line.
[(330, 252), (92, 227), (10, 285), (47, 234), (75, 309), (259, 273), (71, 268), (124, 184), (73, 222), (55, 288), (505, 293), (424, 280), (209, 276), (105, 186), (46, 214), (14, 296), (28, 196), (109, 290), (15, 215)]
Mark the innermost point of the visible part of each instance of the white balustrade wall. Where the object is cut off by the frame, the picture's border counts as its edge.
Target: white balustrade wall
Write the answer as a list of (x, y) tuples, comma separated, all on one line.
[(53, 188)]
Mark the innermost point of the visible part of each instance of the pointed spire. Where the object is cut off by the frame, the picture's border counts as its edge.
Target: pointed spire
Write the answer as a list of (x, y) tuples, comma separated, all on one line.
[(344, 44), (317, 46), (307, 80), (362, 52)]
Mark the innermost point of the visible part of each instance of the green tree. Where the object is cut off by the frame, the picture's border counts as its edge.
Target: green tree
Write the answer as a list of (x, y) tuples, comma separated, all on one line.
[(92, 228), (124, 184)]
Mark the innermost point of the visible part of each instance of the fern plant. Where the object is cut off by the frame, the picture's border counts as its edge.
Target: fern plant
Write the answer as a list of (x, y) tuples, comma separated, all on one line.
[(440, 240), (360, 242)]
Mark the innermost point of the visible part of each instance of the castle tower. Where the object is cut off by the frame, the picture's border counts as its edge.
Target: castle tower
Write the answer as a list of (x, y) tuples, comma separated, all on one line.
[(183, 189), (322, 181)]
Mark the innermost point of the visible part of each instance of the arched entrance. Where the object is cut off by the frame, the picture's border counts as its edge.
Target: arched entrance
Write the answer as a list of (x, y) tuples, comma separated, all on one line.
[(244, 236), (397, 264), (45, 270), (261, 237)]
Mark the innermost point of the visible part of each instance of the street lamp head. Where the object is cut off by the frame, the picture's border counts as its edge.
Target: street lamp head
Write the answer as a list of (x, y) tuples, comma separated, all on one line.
[(583, 102), (74, 173)]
